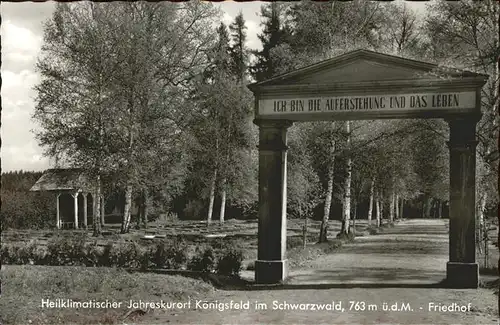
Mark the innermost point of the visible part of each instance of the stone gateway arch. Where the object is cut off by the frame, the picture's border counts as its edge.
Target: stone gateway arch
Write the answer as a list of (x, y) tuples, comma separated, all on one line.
[(368, 85)]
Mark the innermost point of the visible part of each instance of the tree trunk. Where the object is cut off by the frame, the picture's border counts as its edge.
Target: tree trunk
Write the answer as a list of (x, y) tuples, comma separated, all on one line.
[(212, 197), (423, 208), (496, 111), (323, 232), (427, 207), (304, 233), (480, 220), (377, 211), (485, 241), (140, 212), (96, 203), (326, 212), (347, 188), (354, 215), (401, 208), (482, 208), (440, 209), (381, 211), (391, 207), (370, 207), (396, 208), (127, 211), (223, 202), (145, 211)]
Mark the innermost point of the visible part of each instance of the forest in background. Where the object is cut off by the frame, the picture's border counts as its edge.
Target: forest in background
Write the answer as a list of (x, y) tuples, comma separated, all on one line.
[(150, 99)]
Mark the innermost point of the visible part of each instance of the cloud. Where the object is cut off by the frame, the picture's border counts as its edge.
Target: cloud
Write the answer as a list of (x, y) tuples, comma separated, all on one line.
[(24, 59), (28, 14), (19, 39), (19, 149), (20, 46), (18, 86)]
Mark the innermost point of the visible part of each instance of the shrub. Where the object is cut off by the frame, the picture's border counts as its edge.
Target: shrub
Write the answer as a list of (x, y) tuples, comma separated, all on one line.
[(9, 254), (202, 261), (20, 254), (230, 262), (178, 254), (292, 242), (160, 255), (22, 209), (113, 254), (140, 254), (170, 254), (144, 257), (76, 251), (66, 250), (332, 245), (94, 255), (222, 244), (39, 256), (105, 256), (347, 237), (26, 253), (123, 255), (4, 254), (373, 230)]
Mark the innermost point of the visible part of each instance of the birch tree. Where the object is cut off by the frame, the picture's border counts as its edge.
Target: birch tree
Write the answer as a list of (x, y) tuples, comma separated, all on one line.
[(400, 32), (235, 117), (74, 105), (222, 127), (213, 97), (153, 38)]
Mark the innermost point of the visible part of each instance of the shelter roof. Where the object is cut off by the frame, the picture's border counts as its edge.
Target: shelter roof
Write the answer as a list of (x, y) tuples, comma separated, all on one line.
[(62, 179)]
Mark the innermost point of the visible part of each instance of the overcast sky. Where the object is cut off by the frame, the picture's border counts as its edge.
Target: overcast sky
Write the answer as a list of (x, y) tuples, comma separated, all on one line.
[(21, 33)]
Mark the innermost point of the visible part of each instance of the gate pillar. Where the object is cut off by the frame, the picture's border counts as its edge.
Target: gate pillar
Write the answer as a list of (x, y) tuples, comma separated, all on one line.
[(271, 263), (462, 270)]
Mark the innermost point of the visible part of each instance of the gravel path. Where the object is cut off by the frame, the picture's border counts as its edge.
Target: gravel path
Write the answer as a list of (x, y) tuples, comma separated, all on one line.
[(384, 279), (413, 252)]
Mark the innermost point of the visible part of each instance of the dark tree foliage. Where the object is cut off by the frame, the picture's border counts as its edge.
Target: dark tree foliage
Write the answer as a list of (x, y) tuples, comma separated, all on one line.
[(238, 50), (22, 208), (275, 32)]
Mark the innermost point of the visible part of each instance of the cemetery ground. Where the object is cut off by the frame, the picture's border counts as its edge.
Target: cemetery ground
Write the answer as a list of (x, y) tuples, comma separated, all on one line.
[(404, 264)]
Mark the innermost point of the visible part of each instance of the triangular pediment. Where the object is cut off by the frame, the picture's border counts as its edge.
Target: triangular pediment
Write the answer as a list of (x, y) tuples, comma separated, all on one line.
[(360, 70), (362, 66)]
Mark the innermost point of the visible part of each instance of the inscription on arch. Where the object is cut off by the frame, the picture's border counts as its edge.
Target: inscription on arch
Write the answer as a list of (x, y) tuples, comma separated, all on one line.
[(338, 105)]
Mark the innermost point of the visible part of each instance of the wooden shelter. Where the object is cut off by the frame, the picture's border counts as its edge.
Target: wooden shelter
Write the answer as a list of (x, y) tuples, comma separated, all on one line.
[(73, 196)]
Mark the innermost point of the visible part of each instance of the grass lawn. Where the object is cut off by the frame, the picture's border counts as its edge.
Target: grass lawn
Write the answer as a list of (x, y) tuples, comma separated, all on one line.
[(24, 287)]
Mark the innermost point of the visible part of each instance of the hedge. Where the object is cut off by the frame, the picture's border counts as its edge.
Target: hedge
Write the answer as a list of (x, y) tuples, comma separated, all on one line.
[(167, 254)]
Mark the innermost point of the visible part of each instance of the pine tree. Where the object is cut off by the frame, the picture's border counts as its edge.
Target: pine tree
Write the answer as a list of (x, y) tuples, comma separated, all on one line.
[(275, 32), (238, 49)]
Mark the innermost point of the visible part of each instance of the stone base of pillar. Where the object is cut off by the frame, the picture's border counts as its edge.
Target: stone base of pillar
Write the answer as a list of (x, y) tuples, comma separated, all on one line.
[(462, 275), (271, 272)]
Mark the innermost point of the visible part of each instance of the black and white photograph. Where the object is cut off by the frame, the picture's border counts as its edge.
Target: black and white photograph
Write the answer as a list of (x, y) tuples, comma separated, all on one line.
[(250, 162)]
